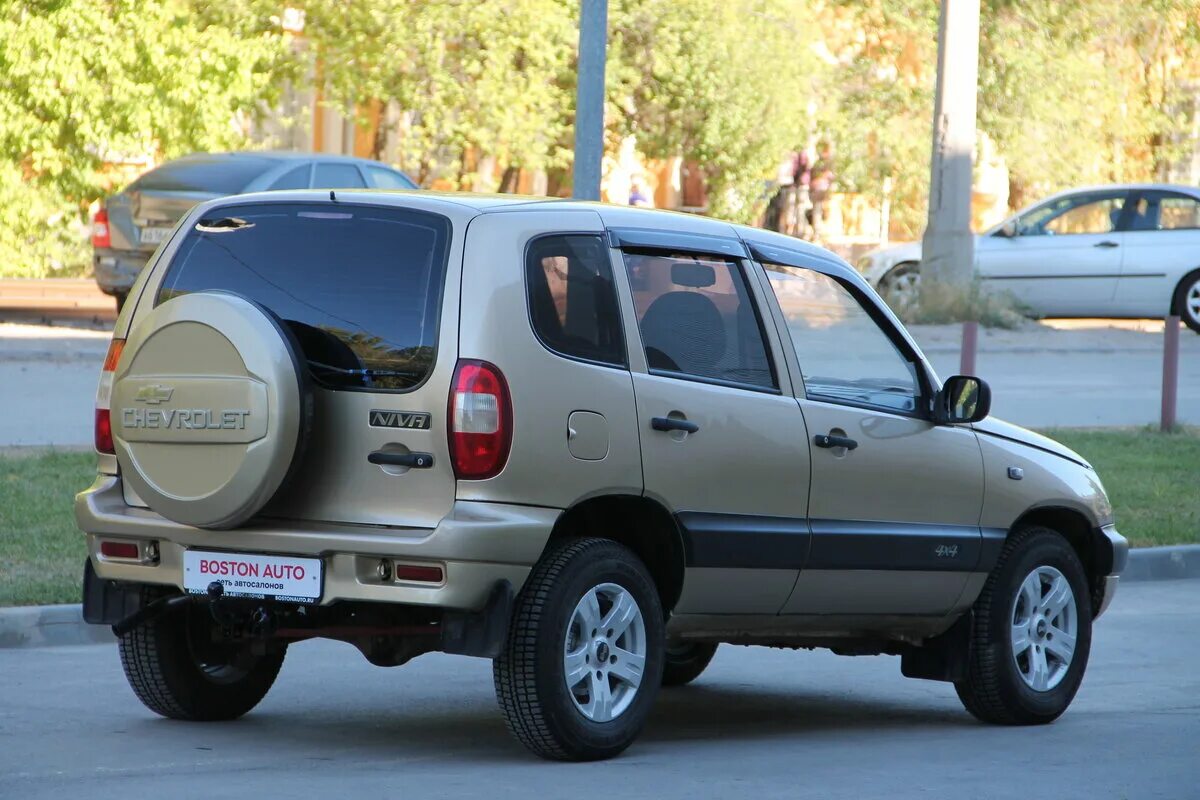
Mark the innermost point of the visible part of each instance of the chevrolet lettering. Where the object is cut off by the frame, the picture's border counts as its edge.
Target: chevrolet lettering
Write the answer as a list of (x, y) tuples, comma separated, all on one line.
[(185, 418), (656, 433)]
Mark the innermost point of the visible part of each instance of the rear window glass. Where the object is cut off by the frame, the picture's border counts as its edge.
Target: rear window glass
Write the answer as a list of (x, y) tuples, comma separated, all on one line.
[(360, 286), (211, 174)]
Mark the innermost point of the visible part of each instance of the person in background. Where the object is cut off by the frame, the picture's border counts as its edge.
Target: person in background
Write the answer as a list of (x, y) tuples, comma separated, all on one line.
[(820, 185), (801, 183), (637, 194)]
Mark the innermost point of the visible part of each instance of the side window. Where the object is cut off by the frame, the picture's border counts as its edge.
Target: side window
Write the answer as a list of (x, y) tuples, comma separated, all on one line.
[(572, 298), (845, 357), (293, 179), (1087, 213), (697, 318), (337, 176), (380, 178), (1175, 212)]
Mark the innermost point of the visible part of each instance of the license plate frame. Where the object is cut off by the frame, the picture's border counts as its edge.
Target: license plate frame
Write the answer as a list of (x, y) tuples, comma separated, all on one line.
[(282, 578), (153, 234)]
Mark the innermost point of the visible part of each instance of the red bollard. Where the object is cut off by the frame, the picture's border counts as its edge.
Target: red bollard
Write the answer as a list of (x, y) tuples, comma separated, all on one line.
[(970, 340), (1170, 372)]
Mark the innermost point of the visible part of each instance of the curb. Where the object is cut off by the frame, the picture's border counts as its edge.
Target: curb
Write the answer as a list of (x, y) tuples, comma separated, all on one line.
[(1163, 563), (51, 626)]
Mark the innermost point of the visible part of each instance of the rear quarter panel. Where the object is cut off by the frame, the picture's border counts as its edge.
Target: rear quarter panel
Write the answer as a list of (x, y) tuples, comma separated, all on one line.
[(546, 388)]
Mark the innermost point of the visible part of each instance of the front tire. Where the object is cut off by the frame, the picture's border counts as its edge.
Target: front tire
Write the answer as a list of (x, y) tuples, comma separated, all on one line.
[(1186, 302), (584, 656), (685, 661), (177, 671), (1032, 633)]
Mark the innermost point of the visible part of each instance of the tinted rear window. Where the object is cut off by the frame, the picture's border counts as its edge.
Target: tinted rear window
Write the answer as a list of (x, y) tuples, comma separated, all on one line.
[(206, 174), (360, 286)]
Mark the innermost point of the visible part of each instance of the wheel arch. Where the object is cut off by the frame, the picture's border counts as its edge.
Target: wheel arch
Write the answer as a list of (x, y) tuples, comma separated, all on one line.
[(643, 525), (1083, 536)]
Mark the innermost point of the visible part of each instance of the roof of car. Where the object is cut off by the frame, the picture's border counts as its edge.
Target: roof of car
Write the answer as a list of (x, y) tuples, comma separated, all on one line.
[(613, 215), (276, 155)]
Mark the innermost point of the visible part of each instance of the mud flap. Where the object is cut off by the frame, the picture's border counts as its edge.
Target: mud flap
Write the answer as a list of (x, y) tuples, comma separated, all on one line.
[(480, 633), (944, 657), (107, 602)]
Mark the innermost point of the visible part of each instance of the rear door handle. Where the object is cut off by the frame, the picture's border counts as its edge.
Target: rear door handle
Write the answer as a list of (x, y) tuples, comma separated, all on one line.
[(1106, 243), (411, 460), (673, 424), (828, 440)]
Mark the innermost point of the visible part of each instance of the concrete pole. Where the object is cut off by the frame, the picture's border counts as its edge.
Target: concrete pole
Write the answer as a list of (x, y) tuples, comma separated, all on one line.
[(948, 250), (589, 100)]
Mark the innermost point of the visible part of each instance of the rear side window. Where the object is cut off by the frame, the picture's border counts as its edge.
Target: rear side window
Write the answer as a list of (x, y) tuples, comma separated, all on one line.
[(293, 179), (380, 178), (212, 174), (337, 176), (360, 286), (572, 299), (697, 319)]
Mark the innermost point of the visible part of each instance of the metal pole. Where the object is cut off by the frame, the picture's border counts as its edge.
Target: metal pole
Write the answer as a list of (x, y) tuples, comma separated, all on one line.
[(589, 100), (1170, 372), (948, 246), (970, 345)]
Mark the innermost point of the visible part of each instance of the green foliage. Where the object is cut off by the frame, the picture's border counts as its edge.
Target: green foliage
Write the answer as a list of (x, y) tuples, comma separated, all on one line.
[(90, 81), (724, 83), (477, 77)]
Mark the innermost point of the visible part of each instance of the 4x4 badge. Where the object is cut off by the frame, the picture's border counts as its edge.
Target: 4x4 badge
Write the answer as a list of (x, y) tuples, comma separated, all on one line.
[(154, 393), (413, 420)]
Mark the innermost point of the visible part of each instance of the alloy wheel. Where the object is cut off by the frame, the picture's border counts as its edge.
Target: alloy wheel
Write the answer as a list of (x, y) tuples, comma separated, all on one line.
[(604, 654), (1045, 624), (1191, 302)]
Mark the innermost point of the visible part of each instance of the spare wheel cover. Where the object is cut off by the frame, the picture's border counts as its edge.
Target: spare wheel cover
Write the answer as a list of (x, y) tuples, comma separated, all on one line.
[(209, 408)]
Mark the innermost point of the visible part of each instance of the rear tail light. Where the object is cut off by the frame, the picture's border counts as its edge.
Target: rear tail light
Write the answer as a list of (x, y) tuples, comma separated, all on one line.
[(103, 431), (100, 233), (480, 420)]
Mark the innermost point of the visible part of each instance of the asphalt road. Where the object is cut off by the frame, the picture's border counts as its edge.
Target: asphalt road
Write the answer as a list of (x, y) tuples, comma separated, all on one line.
[(1059, 373), (758, 724)]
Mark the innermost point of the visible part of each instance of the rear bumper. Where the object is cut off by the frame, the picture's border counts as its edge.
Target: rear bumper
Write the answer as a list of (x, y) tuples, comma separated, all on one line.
[(116, 270), (477, 544)]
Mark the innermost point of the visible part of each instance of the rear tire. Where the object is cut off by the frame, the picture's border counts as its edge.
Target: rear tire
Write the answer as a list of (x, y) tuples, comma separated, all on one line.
[(1031, 636), (177, 673), (1186, 302), (553, 697), (684, 662)]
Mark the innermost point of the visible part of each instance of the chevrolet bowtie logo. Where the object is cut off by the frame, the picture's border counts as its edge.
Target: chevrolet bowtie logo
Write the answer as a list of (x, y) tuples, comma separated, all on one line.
[(154, 393)]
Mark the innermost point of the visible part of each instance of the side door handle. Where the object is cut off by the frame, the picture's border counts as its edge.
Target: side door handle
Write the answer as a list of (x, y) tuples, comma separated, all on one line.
[(828, 440), (1106, 243), (673, 424), (410, 460)]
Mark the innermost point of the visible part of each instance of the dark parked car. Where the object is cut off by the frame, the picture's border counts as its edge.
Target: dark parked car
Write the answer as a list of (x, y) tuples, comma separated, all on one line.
[(131, 224)]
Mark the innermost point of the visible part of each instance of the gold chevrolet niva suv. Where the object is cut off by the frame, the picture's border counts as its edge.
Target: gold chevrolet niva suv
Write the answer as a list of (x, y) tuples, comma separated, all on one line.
[(587, 442)]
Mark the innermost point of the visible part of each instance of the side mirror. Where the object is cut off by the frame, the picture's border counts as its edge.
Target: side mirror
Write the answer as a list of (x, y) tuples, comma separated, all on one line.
[(962, 398), (1009, 229)]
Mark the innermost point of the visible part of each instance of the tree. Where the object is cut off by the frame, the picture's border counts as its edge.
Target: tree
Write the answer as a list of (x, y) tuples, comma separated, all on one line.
[(724, 83), (480, 78), (88, 80)]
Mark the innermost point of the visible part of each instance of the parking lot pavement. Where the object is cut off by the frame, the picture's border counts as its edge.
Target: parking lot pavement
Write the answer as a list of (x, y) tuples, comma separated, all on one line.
[(759, 723), (1069, 373)]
